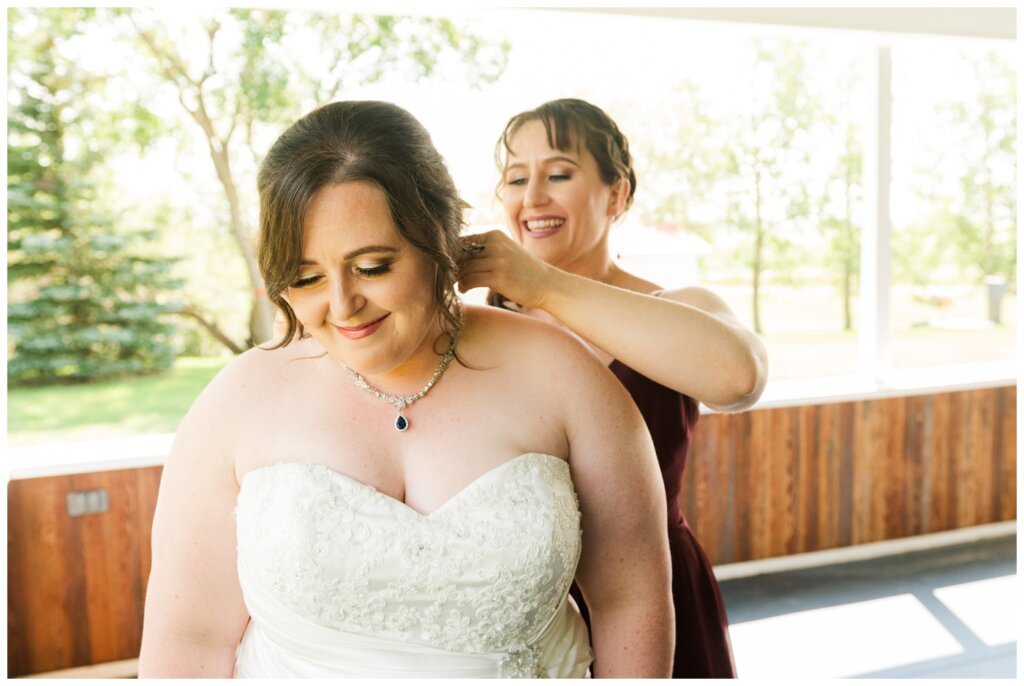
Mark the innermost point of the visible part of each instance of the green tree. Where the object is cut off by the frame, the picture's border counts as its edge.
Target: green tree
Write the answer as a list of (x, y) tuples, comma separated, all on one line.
[(249, 71), (682, 151), (967, 182), (920, 250), (85, 300), (984, 138), (768, 154), (840, 198)]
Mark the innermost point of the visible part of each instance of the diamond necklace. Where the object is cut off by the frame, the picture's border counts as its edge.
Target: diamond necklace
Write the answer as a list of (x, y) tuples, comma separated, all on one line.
[(402, 401)]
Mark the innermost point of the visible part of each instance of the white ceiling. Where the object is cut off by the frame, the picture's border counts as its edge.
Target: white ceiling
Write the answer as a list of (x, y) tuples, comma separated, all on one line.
[(977, 22)]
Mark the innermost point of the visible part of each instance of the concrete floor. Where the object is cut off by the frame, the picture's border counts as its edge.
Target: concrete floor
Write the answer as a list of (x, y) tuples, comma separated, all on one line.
[(944, 613)]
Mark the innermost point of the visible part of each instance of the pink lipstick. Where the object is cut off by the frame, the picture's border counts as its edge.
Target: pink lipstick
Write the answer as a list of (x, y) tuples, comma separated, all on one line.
[(363, 330)]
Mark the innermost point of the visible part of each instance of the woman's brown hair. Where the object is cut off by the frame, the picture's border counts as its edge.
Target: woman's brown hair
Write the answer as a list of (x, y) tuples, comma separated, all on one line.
[(573, 124)]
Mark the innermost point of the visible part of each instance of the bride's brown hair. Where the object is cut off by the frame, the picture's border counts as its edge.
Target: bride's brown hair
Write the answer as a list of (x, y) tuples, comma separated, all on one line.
[(370, 141)]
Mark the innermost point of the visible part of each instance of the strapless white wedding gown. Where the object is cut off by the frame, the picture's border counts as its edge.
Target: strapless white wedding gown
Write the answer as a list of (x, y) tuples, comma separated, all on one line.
[(342, 580)]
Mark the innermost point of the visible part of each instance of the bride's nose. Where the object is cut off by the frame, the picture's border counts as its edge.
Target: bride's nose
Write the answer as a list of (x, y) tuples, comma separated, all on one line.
[(345, 301)]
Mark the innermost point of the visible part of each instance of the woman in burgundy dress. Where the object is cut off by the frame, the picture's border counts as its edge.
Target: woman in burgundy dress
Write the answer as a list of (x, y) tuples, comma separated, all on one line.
[(566, 177)]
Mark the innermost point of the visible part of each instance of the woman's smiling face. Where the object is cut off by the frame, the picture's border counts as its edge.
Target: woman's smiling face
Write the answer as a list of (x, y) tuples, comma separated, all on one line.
[(555, 202), (363, 291)]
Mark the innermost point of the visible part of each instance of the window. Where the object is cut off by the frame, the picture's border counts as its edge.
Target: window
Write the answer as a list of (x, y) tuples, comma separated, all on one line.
[(952, 297), (757, 160)]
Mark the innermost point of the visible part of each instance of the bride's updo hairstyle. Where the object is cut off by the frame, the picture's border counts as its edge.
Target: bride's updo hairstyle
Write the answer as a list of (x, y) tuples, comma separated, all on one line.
[(572, 125), (371, 141)]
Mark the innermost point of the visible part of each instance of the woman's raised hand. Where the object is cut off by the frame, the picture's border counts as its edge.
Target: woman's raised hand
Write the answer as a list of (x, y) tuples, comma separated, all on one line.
[(493, 260)]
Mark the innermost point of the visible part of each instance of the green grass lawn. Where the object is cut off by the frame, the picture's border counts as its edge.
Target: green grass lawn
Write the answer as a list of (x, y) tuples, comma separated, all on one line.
[(123, 407)]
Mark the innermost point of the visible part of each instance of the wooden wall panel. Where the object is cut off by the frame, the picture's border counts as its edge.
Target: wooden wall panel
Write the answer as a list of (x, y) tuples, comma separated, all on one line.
[(1006, 489), (791, 480), (76, 584)]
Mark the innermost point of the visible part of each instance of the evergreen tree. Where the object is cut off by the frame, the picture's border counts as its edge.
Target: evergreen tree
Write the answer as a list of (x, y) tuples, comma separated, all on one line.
[(84, 298)]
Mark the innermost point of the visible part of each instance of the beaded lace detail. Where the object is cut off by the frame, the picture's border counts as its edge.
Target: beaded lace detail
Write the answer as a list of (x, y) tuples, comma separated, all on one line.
[(485, 572)]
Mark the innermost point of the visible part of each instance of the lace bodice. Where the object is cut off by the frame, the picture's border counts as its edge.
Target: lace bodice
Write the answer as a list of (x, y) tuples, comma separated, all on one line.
[(485, 572)]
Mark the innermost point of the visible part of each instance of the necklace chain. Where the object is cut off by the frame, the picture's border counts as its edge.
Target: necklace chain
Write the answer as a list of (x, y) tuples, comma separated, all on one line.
[(400, 402)]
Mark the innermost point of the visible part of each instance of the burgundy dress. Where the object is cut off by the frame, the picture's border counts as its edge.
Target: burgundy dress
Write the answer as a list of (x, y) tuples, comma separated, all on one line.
[(703, 649), (702, 636)]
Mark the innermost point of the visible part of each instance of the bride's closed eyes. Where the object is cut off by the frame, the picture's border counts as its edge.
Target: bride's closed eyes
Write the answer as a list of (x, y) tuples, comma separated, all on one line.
[(368, 272), (305, 281), (376, 270)]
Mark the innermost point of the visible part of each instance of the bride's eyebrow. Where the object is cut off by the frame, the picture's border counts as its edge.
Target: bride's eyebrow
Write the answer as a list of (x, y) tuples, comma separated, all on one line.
[(371, 248), (305, 261)]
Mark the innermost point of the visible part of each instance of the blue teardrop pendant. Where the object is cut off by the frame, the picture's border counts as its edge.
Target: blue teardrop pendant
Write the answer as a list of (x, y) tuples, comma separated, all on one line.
[(401, 423)]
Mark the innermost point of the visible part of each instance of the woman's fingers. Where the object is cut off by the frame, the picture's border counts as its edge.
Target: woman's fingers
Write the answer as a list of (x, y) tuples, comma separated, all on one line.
[(493, 260), (473, 245), (471, 263)]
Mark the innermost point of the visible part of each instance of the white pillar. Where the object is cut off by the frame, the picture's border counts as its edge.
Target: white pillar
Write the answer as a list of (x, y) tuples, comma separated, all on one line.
[(875, 261)]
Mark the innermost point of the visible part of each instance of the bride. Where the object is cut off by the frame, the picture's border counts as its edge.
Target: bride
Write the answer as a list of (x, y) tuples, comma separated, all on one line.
[(401, 485)]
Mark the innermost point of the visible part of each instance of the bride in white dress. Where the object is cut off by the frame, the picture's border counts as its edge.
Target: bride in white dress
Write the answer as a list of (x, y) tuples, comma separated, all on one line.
[(401, 485)]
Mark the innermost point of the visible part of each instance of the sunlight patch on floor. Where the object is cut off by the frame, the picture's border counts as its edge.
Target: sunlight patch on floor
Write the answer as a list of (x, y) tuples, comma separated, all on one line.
[(987, 607), (841, 641)]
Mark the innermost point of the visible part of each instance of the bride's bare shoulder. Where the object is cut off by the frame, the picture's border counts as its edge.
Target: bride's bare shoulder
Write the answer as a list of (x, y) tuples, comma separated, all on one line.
[(257, 371), (515, 338)]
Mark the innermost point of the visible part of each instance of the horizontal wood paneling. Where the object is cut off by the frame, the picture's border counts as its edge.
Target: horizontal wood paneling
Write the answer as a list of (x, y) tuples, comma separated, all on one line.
[(792, 480), (75, 585)]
